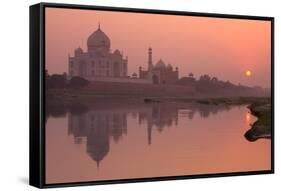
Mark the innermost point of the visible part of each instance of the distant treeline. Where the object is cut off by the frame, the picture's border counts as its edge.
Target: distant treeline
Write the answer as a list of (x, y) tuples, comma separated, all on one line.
[(211, 86), (207, 84), (59, 81)]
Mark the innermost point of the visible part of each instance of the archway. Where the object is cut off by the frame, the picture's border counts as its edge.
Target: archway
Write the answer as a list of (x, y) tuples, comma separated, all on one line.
[(82, 69), (116, 69), (155, 79)]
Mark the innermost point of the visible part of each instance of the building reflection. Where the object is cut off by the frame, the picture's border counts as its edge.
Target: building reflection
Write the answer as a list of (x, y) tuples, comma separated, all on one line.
[(97, 124), (158, 116)]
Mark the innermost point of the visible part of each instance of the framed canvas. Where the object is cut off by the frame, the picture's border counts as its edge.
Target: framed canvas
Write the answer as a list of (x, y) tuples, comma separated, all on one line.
[(123, 95)]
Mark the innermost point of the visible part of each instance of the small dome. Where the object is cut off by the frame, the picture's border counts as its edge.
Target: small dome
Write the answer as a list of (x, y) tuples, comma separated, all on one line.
[(117, 52), (97, 145), (170, 66), (98, 39), (160, 64), (78, 51)]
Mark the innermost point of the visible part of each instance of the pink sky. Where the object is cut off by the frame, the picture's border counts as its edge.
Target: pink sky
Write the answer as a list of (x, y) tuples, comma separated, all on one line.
[(224, 48)]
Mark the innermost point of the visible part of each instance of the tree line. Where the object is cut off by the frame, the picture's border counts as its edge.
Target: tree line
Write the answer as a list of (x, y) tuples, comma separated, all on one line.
[(205, 84), (60, 81), (208, 84)]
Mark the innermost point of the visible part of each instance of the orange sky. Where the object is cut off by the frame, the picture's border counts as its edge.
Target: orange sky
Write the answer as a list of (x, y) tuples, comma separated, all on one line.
[(224, 48)]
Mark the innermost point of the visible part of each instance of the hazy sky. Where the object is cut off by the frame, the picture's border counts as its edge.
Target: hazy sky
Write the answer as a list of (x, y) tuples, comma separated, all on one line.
[(224, 48)]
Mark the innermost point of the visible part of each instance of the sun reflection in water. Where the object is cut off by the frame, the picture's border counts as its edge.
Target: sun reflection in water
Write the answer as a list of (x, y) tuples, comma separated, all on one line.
[(248, 119)]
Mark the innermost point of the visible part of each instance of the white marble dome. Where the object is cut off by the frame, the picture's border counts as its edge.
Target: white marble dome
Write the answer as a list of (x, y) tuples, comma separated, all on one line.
[(98, 39)]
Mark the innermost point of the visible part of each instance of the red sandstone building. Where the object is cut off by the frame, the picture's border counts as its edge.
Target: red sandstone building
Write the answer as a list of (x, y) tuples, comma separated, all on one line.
[(160, 73)]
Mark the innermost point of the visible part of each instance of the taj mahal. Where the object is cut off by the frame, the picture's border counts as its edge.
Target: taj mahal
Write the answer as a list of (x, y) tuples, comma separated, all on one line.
[(99, 63)]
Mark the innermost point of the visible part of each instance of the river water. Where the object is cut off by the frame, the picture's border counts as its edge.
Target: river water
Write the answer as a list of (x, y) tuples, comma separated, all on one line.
[(107, 140)]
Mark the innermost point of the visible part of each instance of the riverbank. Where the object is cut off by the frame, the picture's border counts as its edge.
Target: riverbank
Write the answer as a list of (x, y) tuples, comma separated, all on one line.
[(69, 96), (262, 127), (213, 100)]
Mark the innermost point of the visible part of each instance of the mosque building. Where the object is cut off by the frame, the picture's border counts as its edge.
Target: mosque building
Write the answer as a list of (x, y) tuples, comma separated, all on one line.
[(160, 73)]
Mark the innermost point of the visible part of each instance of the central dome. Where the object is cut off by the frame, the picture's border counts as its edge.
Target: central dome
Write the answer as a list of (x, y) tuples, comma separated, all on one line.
[(160, 64), (98, 39)]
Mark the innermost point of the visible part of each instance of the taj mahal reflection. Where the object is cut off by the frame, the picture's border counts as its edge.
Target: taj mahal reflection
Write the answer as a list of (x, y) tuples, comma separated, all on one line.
[(98, 125), (158, 116)]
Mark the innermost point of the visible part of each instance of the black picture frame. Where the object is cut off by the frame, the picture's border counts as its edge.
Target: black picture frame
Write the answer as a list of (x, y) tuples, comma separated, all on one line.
[(37, 94)]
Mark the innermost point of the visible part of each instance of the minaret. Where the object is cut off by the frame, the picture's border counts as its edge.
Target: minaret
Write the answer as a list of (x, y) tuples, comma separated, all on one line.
[(150, 66)]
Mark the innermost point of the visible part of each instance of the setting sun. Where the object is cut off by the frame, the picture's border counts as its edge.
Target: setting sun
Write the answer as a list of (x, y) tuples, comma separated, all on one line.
[(248, 73)]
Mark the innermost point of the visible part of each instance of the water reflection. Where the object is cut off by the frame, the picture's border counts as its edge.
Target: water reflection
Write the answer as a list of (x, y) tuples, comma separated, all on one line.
[(95, 124), (248, 119)]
